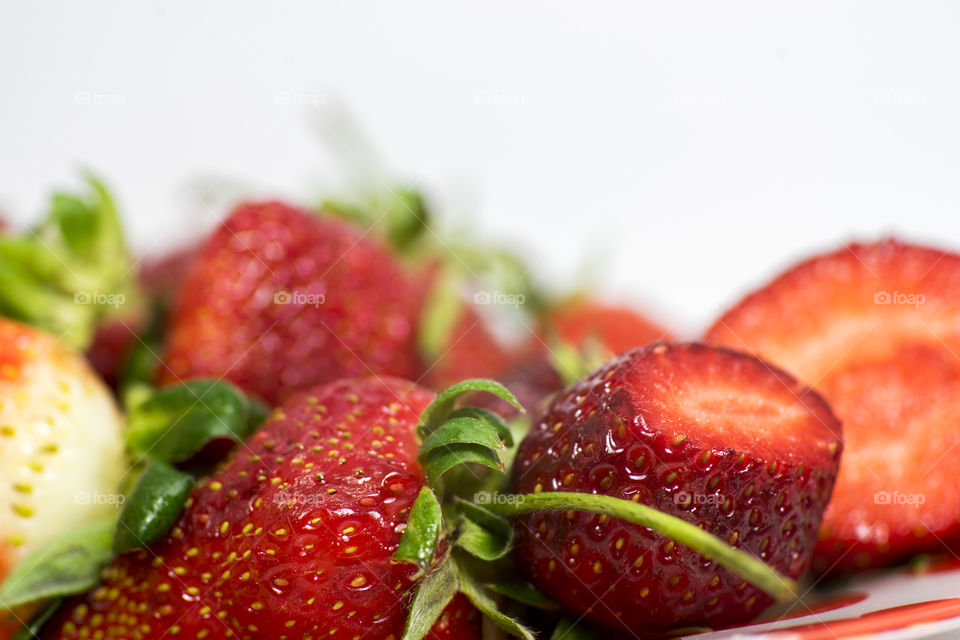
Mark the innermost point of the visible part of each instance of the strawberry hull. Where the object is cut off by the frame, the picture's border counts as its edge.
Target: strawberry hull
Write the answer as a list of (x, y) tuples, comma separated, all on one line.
[(654, 427)]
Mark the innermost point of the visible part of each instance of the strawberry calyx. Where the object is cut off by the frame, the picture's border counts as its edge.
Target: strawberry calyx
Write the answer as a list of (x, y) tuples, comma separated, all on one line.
[(481, 534), (70, 271)]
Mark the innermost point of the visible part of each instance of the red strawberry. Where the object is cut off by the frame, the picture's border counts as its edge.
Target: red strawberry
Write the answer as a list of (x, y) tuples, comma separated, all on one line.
[(279, 300), (876, 328), (715, 437), (293, 538), (617, 328)]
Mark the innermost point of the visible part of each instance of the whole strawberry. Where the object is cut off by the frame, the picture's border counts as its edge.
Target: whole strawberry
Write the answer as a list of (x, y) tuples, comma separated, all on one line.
[(293, 538), (714, 437), (61, 445), (279, 300)]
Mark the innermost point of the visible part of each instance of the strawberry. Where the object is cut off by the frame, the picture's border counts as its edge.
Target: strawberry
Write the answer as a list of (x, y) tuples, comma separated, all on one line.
[(714, 437), (279, 300), (292, 538), (57, 422), (876, 328), (61, 449), (616, 328), (118, 334)]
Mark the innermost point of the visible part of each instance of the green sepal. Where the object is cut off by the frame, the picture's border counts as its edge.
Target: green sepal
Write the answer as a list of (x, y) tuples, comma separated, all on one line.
[(31, 631), (70, 271), (422, 533), (462, 430), (433, 594), (66, 566), (567, 629), (482, 533), (483, 601), (442, 406), (400, 215), (742, 563), (174, 423), (442, 310), (573, 362), (523, 592), (489, 417), (152, 507), (440, 461)]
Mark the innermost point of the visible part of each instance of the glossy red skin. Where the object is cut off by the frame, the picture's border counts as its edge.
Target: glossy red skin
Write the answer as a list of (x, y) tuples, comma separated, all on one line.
[(295, 535), (112, 342), (225, 321), (891, 373), (614, 433)]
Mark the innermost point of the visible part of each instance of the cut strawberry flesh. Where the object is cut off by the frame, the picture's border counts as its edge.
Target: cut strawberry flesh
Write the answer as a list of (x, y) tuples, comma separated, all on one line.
[(721, 400), (875, 329)]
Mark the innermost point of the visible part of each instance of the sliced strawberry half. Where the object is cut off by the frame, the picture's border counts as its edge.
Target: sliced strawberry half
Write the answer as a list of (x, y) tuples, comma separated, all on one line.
[(876, 329), (714, 437)]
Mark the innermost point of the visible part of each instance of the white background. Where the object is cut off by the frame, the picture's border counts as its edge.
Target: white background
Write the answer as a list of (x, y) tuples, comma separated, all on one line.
[(683, 151)]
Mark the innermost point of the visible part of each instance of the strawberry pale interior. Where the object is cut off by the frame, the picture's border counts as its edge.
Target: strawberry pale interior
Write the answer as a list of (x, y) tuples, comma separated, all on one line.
[(733, 402)]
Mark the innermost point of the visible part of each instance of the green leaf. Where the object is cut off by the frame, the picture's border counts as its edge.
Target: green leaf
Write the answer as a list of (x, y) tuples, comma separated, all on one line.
[(567, 629), (523, 592), (488, 607), (70, 271), (443, 308), (422, 533), (440, 409), (153, 506), (482, 533), (462, 430), (70, 564), (745, 565), (439, 461), (32, 629), (433, 594), (491, 418), (175, 423)]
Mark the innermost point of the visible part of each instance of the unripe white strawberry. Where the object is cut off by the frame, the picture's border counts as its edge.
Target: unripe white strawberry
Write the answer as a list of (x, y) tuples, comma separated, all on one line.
[(61, 445)]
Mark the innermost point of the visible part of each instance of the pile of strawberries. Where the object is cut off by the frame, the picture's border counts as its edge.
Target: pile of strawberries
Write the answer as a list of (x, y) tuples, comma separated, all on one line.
[(394, 491)]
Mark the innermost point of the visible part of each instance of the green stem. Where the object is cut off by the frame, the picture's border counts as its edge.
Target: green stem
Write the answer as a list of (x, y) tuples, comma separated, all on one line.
[(748, 567)]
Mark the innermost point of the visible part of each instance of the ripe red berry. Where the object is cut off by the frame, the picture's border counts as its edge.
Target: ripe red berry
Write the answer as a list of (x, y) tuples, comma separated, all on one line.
[(715, 437), (279, 300), (293, 538)]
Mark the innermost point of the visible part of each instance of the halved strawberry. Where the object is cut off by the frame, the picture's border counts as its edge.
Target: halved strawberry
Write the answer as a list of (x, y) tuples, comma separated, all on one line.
[(876, 329), (714, 437)]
